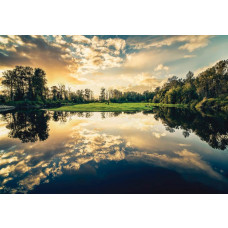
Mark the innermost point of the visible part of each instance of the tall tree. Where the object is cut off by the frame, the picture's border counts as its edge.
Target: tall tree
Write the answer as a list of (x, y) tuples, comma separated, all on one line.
[(39, 82), (9, 82), (102, 94)]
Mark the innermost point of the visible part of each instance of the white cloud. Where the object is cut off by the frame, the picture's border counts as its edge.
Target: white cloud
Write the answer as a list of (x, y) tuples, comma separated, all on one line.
[(161, 67), (80, 39), (149, 59), (140, 82), (195, 42), (59, 39), (61, 59), (191, 42), (98, 54), (158, 135)]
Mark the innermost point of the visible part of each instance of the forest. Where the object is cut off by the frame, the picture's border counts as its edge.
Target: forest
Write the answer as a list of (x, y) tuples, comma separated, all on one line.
[(26, 86)]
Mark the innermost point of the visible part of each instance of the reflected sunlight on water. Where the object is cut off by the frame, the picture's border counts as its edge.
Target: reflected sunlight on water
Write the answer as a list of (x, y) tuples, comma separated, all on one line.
[(38, 147)]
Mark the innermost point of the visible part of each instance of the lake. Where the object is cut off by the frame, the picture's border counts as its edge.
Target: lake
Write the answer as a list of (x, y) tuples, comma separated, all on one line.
[(167, 150)]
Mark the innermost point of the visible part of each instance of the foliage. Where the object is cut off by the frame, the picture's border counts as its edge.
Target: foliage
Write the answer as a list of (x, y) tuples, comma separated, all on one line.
[(209, 90), (24, 83), (27, 86), (117, 96)]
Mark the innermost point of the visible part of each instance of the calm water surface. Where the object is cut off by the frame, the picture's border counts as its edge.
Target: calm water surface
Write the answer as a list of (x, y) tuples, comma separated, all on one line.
[(164, 151)]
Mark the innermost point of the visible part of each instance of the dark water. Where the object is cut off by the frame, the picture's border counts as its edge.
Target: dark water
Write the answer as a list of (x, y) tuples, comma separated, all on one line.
[(164, 151)]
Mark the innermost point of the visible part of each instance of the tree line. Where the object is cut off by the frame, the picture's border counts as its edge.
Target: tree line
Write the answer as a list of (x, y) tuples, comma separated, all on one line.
[(116, 96), (208, 88), (28, 84)]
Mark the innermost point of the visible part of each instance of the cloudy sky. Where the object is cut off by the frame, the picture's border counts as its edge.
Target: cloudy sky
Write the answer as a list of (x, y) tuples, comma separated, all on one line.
[(124, 62)]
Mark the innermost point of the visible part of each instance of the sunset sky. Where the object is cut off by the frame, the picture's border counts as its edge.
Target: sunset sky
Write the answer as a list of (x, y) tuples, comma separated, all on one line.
[(124, 62)]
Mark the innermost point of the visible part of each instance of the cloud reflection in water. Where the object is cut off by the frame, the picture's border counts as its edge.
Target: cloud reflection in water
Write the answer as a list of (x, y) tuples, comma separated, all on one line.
[(79, 139)]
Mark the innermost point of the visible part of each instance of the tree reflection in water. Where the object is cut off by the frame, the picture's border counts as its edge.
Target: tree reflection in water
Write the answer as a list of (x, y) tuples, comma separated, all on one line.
[(211, 129), (32, 126), (95, 141), (28, 126)]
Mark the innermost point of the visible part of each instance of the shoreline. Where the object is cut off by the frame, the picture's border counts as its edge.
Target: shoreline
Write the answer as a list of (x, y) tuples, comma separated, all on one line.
[(208, 106), (114, 107)]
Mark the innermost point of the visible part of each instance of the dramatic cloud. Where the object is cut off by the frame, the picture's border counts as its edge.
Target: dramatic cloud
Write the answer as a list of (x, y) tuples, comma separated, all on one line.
[(98, 53), (190, 42), (112, 61), (37, 51), (61, 56)]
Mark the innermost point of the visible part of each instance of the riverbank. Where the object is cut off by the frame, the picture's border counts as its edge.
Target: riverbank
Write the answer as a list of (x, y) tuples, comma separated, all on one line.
[(210, 106), (114, 107)]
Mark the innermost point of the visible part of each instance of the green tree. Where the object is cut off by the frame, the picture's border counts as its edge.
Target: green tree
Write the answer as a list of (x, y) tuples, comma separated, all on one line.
[(39, 82)]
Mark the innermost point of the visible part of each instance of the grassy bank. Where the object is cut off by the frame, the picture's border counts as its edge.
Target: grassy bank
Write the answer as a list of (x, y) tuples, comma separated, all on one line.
[(113, 107)]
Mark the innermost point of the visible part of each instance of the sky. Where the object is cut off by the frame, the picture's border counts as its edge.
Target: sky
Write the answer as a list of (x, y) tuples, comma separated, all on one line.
[(127, 63)]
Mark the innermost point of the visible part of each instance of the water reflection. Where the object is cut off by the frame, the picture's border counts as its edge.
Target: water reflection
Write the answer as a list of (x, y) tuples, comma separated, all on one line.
[(212, 129), (27, 126), (54, 143), (33, 126)]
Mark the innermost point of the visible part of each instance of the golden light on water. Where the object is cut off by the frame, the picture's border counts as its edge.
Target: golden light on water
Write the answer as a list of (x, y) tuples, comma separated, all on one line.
[(77, 140)]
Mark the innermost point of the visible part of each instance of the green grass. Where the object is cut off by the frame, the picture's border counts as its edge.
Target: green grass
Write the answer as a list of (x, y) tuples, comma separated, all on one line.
[(113, 107)]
